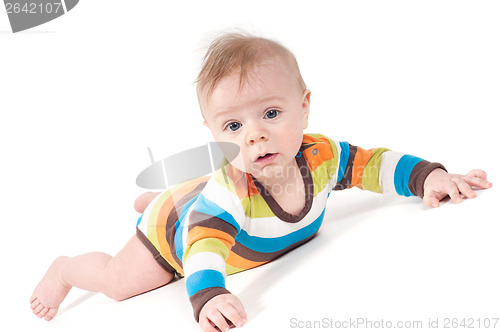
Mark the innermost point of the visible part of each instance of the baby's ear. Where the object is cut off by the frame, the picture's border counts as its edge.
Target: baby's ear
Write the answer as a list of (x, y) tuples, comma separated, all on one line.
[(306, 103), (205, 123)]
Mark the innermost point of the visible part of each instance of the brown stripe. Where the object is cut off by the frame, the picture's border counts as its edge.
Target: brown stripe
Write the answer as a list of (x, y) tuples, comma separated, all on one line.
[(199, 299), (308, 189), (346, 180), (418, 175), (206, 220), (173, 217), (157, 256), (256, 256)]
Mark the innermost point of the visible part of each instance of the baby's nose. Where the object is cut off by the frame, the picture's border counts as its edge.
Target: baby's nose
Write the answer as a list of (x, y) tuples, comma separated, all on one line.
[(257, 134)]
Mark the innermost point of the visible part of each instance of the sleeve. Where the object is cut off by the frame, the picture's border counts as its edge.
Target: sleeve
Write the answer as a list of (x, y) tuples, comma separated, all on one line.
[(210, 235), (382, 170)]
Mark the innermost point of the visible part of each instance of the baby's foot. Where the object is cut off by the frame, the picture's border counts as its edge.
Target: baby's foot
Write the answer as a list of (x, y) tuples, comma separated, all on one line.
[(50, 292), (143, 201)]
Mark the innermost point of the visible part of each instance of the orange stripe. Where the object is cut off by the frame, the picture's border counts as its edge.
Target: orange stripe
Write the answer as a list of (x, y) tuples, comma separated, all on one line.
[(187, 187), (169, 257), (251, 187), (200, 232), (360, 160), (176, 194), (242, 182), (306, 139), (161, 222), (317, 155), (240, 262)]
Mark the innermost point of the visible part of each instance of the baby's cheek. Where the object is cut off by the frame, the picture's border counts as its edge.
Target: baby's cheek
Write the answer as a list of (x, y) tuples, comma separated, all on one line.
[(239, 163)]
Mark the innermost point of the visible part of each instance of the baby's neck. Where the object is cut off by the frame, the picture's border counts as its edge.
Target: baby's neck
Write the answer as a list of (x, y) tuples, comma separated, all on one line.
[(288, 192), (289, 178)]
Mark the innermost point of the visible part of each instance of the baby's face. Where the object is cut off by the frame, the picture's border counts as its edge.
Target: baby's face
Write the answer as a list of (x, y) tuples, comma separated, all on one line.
[(266, 119)]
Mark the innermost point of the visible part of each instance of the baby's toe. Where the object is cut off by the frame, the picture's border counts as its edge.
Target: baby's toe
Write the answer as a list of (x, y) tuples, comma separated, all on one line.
[(34, 303), (51, 313), (43, 312), (38, 309)]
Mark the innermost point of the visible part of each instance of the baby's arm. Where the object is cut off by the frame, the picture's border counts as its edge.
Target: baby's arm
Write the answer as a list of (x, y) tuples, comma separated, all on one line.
[(385, 171), (440, 184), (205, 269)]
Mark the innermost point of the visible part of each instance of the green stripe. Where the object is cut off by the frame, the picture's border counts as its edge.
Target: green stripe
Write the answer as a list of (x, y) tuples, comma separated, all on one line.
[(258, 207), (206, 245), (370, 179), (232, 270)]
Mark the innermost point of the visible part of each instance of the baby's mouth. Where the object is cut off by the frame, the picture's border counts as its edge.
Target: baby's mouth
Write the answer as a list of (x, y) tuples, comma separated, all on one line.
[(268, 157)]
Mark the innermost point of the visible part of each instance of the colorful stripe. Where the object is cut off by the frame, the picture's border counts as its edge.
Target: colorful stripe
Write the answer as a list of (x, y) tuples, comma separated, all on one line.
[(204, 279), (402, 174), (268, 245), (223, 224), (344, 157), (387, 169)]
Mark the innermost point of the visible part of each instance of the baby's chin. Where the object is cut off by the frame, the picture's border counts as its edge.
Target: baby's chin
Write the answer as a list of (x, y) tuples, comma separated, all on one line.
[(245, 169), (270, 171), (275, 173)]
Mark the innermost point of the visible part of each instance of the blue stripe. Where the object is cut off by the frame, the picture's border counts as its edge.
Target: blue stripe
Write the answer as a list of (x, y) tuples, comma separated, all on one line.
[(269, 245), (204, 205), (204, 279), (402, 174), (179, 246), (139, 221), (344, 157)]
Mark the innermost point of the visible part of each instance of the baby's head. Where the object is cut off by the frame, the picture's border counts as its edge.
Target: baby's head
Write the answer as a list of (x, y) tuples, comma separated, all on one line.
[(251, 93), (236, 53)]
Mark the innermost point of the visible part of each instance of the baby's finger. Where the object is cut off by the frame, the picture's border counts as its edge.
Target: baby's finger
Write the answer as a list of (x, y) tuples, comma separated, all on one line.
[(220, 321), (232, 315), (464, 188), (239, 307), (431, 200), (452, 191), (477, 173), (477, 182), (207, 326)]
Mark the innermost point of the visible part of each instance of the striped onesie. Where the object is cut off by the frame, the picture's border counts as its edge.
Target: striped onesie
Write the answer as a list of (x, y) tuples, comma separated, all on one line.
[(209, 227)]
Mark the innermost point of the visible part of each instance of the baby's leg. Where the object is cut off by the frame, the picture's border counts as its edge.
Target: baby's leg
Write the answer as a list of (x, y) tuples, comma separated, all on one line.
[(131, 272)]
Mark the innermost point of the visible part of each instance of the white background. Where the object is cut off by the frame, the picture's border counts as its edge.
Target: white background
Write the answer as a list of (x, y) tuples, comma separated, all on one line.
[(83, 96)]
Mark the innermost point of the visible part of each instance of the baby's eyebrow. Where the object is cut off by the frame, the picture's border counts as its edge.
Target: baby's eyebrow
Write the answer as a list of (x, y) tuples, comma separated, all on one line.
[(228, 111), (225, 114)]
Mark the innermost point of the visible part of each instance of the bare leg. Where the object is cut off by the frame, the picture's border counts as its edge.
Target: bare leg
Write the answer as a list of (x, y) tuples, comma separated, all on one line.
[(131, 272)]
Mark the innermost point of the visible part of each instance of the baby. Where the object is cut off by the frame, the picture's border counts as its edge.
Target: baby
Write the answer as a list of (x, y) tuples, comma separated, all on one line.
[(267, 201)]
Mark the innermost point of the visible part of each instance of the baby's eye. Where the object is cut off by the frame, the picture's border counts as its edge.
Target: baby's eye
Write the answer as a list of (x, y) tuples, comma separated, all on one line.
[(271, 114), (233, 126)]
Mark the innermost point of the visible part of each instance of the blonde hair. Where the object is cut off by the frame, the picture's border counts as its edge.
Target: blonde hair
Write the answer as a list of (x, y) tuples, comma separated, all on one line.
[(240, 52)]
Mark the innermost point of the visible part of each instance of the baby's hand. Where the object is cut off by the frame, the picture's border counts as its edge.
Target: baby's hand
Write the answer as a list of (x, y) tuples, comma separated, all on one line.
[(440, 184), (221, 311)]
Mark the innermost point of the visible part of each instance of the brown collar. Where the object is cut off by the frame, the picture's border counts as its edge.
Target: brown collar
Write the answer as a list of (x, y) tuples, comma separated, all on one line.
[(308, 188)]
